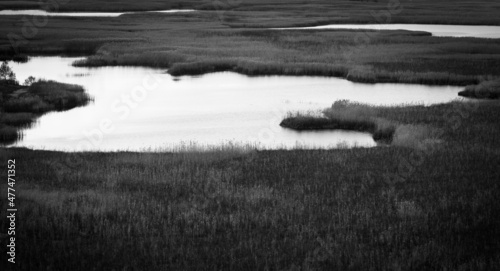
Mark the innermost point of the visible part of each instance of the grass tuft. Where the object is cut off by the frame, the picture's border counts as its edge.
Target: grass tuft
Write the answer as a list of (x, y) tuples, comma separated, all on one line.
[(20, 105), (344, 115)]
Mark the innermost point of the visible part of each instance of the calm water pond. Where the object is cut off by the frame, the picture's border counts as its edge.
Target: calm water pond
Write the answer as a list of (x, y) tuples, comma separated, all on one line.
[(139, 108), (477, 31), (35, 12)]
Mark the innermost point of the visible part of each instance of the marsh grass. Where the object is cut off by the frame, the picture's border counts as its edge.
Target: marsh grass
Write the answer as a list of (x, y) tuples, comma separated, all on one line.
[(198, 43), (19, 58), (8, 134), (22, 120), (344, 115), (325, 53), (45, 96), (228, 209), (20, 106), (280, 210), (19, 5), (483, 90)]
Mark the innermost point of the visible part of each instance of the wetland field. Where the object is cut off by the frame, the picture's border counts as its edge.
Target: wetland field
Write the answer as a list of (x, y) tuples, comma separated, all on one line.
[(250, 135)]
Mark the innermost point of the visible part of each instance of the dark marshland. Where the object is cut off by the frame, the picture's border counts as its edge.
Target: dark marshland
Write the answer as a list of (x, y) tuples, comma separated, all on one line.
[(424, 196), (21, 105)]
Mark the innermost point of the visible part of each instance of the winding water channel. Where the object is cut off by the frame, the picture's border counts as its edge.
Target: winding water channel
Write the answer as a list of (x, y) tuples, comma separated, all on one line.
[(35, 12), (438, 30), (144, 108)]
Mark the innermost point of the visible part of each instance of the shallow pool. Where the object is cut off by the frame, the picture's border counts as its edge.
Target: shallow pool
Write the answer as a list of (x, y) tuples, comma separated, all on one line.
[(137, 108)]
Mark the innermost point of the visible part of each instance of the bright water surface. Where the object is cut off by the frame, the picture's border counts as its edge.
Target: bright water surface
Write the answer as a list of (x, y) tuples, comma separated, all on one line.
[(477, 31), (148, 108), (35, 12)]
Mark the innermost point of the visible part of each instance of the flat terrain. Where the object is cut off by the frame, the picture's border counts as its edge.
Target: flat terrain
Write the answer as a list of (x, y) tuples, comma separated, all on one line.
[(197, 43), (299, 12), (427, 203)]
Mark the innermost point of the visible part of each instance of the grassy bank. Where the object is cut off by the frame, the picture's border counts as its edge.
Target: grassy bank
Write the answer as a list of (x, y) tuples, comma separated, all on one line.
[(427, 206), (403, 125), (484, 90), (197, 43), (381, 130), (21, 105)]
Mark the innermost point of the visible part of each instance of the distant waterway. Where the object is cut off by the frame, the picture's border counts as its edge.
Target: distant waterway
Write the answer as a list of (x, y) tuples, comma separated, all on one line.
[(35, 12), (438, 30)]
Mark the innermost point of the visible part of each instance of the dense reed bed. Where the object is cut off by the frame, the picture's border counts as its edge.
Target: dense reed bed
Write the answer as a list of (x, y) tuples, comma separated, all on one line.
[(344, 116), (401, 125), (484, 90), (21, 105), (197, 43), (431, 205)]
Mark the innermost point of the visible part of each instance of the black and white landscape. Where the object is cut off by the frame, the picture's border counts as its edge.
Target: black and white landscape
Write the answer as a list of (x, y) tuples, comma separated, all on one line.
[(250, 135)]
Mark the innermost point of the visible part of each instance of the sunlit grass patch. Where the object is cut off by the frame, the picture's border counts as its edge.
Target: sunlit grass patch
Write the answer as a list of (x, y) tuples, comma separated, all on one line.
[(45, 96), (416, 136), (404, 128)]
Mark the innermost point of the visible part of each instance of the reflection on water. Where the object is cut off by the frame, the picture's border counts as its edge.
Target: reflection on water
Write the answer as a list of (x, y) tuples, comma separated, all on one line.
[(137, 108), (35, 12), (477, 31)]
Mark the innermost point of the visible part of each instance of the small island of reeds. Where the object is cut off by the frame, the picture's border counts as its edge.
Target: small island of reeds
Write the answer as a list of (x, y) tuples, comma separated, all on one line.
[(484, 90), (21, 105), (343, 115)]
